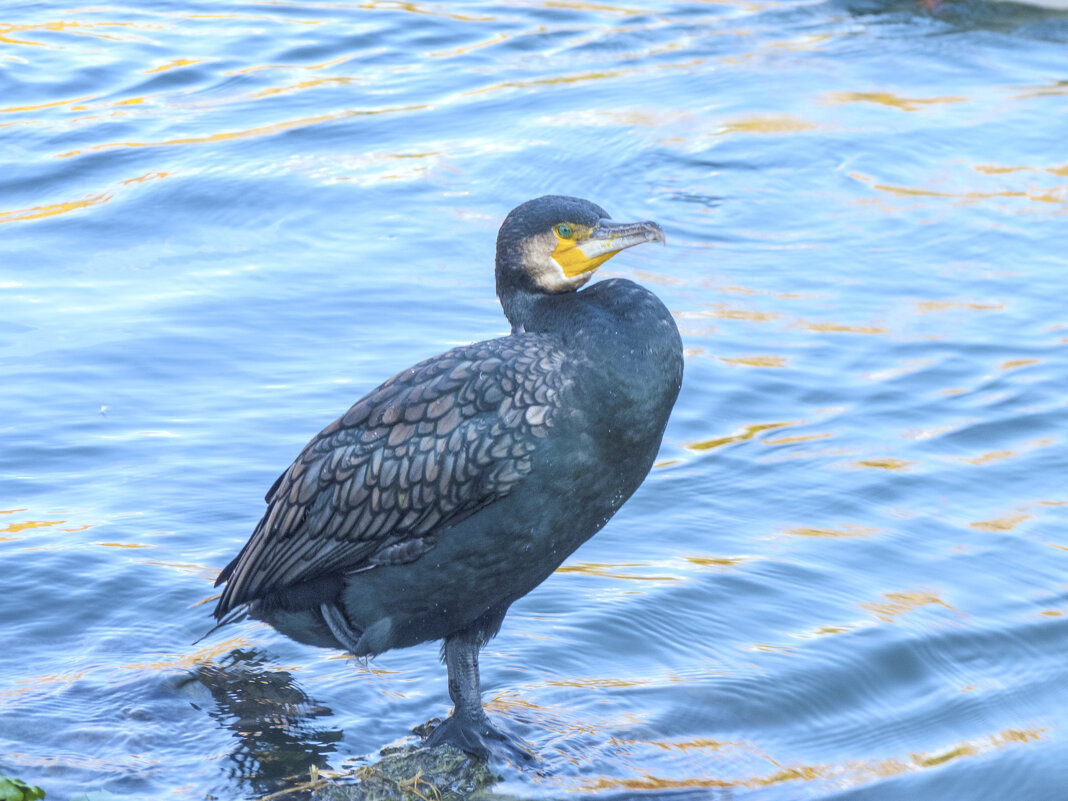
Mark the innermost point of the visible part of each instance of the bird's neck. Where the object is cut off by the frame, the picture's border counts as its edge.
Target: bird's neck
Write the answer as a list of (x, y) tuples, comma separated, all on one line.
[(620, 326), (625, 356), (518, 304)]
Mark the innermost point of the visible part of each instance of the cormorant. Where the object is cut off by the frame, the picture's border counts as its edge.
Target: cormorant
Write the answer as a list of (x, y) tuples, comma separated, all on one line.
[(463, 482)]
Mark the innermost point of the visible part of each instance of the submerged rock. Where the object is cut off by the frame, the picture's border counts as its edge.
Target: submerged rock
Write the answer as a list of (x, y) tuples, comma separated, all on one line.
[(442, 773)]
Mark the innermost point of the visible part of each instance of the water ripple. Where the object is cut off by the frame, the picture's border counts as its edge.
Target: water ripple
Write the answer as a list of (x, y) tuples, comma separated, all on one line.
[(222, 223)]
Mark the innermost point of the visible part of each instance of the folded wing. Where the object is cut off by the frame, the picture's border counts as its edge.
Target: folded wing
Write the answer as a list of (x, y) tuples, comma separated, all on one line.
[(421, 452)]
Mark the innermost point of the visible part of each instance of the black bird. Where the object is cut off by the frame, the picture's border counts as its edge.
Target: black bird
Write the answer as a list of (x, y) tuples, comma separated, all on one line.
[(463, 482)]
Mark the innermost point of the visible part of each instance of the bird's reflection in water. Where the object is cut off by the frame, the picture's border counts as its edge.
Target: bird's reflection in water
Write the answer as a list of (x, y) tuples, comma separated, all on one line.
[(271, 719)]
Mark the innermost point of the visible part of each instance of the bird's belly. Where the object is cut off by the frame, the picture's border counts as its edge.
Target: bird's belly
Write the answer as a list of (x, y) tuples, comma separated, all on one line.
[(479, 566)]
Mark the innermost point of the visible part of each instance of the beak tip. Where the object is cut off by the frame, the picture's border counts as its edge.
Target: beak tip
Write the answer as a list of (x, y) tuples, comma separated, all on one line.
[(656, 233)]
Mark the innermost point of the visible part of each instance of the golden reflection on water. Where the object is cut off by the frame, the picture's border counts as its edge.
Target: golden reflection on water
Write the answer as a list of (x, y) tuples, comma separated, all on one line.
[(798, 438), (747, 433), (1012, 364), (425, 9), (719, 562), (174, 63), (463, 50), (845, 774), (612, 571), (800, 43), (990, 169), (71, 27), (1053, 196), (582, 77), (340, 80), (744, 290), (51, 210), (824, 631), (53, 104), (188, 568), (898, 604), (331, 63), (120, 544), (255, 17), (1008, 522), (585, 5), (754, 361), (989, 456), (849, 530), (644, 277), (838, 328), (1004, 523), (26, 524), (930, 306), (999, 455), (607, 683), (697, 744), (562, 722), (248, 133), (38, 212), (183, 662), (883, 464), (891, 100), (767, 124), (722, 311), (53, 682)]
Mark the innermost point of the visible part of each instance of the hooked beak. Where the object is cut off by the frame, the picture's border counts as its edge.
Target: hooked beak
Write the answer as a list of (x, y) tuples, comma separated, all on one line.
[(603, 242)]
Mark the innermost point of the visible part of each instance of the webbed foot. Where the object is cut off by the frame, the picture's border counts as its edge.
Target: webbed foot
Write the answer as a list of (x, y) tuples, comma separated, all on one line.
[(480, 738)]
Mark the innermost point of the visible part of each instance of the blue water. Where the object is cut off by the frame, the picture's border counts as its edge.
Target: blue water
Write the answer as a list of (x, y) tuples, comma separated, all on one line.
[(846, 578)]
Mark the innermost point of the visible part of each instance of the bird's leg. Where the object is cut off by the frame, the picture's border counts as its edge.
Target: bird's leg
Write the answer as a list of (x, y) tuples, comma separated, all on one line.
[(465, 684), (467, 727)]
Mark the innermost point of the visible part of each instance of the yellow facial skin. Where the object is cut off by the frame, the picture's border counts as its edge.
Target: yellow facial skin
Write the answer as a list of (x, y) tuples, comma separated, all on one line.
[(570, 253), (581, 249)]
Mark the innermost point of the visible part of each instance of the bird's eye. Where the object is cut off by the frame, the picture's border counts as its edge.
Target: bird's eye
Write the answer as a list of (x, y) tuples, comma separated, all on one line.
[(564, 231)]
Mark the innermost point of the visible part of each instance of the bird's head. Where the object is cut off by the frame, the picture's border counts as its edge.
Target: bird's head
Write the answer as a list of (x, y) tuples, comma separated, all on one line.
[(553, 244)]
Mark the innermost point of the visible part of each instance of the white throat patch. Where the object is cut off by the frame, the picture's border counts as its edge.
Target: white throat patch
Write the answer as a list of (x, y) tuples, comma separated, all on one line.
[(542, 267)]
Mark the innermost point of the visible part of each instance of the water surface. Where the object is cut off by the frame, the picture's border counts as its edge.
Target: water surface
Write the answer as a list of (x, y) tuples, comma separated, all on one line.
[(222, 222)]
